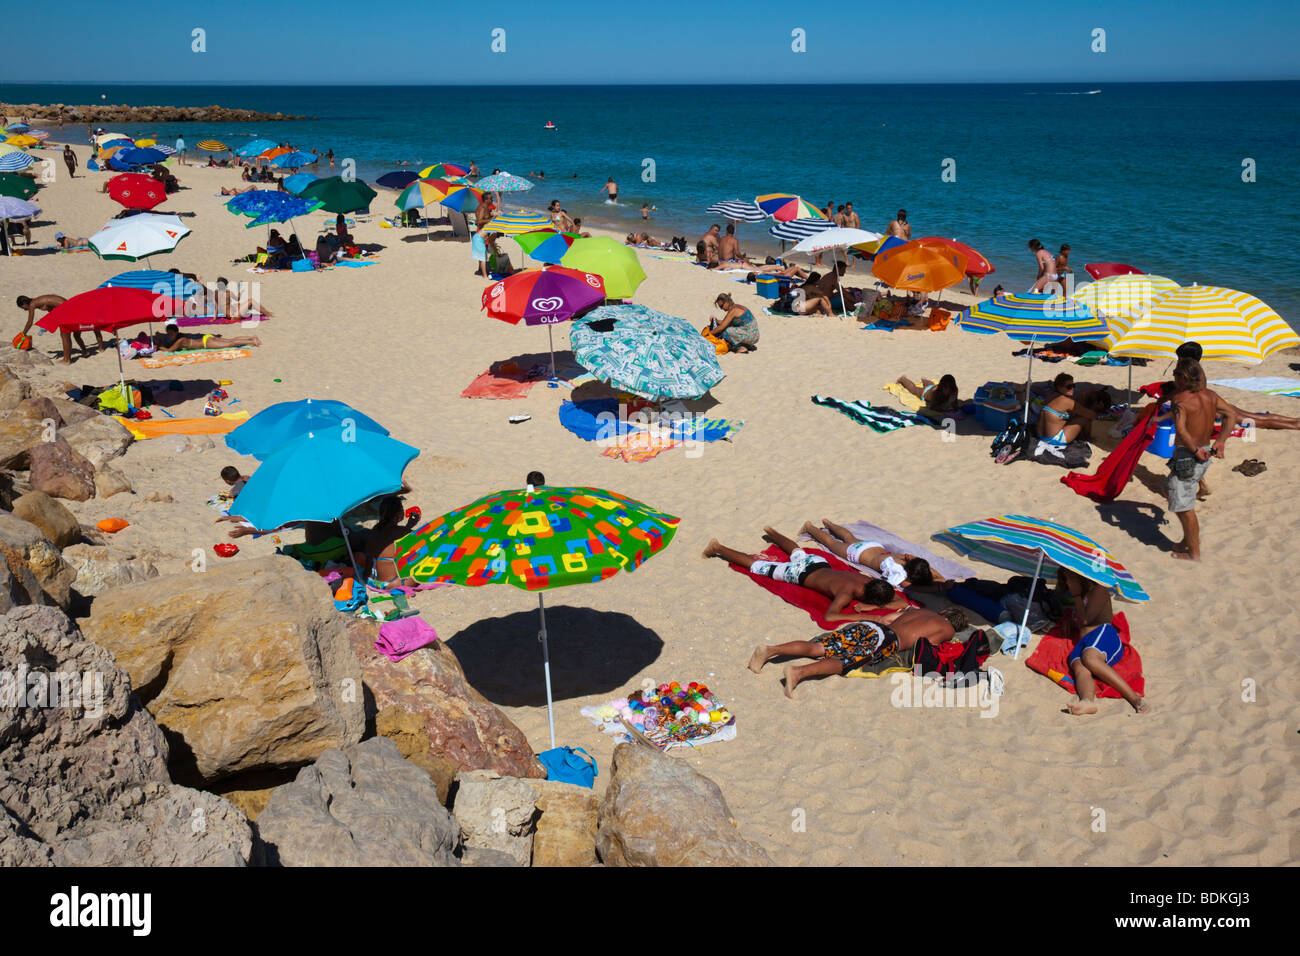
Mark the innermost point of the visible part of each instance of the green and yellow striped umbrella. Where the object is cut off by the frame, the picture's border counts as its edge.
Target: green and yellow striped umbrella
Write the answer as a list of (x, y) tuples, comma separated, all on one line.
[(1230, 326)]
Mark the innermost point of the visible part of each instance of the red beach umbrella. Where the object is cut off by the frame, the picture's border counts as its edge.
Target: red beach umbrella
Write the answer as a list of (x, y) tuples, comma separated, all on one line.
[(135, 191), (976, 263), (108, 310), (1104, 270)]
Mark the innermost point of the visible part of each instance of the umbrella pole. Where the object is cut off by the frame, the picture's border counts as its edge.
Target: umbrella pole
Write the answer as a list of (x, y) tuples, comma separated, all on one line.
[(1128, 392), (293, 229), (1028, 382), (351, 557), (835, 264), (546, 667), (551, 341), (1024, 620)]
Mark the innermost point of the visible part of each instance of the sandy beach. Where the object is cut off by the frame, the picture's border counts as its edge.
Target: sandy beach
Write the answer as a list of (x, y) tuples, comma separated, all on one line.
[(838, 775)]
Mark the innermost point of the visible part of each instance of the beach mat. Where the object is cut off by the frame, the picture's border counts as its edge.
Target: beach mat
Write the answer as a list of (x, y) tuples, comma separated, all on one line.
[(880, 418), (1269, 384), (207, 425), (866, 531), (194, 357), (1049, 659)]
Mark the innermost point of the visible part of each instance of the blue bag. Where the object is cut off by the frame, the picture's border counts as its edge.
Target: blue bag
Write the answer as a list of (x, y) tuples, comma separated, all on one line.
[(564, 764), (303, 265)]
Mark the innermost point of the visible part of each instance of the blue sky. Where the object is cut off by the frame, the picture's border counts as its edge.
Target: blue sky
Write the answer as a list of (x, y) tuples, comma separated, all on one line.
[(617, 41)]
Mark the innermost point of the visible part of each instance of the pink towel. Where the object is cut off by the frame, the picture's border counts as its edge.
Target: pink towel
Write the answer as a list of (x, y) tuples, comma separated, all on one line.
[(400, 638)]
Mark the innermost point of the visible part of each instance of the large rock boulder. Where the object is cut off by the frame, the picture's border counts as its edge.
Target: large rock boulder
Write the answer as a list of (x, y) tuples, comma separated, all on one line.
[(407, 731), (363, 805), (57, 523), (462, 725), (245, 665), (110, 482), (100, 438), (60, 471), (660, 811), (20, 429), (566, 829), (31, 557), (99, 568), (12, 390), (496, 813)]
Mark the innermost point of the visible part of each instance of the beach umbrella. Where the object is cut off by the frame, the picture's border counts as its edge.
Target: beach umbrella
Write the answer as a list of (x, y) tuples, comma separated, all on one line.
[(976, 264), (919, 268), (12, 162), (1118, 300), (797, 229), (109, 310), (40, 134), (545, 296), (170, 284), (11, 207), (1104, 270), (17, 128), (294, 160), (516, 223), (831, 239), (1034, 318), (786, 206), (253, 202), (457, 196), (255, 148), (21, 187), (273, 152), (279, 207), (502, 183), (213, 146), (737, 209), (165, 149), (546, 245), (444, 171), (135, 156), (397, 180), (535, 540), (135, 191), (139, 237), (339, 195), (103, 138), (1033, 546), (22, 140), (1230, 326), (298, 182), (276, 425), (614, 262), (145, 142), (645, 352)]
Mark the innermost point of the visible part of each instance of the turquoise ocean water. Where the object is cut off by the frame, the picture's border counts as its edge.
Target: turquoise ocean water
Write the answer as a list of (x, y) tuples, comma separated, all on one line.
[(1149, 174)]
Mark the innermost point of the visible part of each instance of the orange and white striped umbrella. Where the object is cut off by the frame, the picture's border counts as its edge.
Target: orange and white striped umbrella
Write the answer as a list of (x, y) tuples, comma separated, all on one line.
[(1121, 299), (1230, 326)]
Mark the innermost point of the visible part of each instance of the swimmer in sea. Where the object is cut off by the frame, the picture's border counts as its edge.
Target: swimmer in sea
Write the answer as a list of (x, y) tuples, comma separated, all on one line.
[(611, 188)]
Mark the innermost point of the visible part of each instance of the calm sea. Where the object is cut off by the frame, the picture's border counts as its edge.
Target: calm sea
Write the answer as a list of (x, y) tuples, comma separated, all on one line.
[(1149, 174)]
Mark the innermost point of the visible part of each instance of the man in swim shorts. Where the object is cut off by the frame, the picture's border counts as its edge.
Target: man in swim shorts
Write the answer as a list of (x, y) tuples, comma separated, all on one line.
[(174, 340), (902, 571), (861, 643), (1194, 409), (611, 188)]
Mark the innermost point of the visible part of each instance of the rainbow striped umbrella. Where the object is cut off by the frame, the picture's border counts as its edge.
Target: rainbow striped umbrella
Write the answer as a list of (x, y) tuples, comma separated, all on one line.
[(39, 134), (546, 245), (446, 171), (518, 223), (786, 206), (1230, 326), (457, 196), (1026, 545)]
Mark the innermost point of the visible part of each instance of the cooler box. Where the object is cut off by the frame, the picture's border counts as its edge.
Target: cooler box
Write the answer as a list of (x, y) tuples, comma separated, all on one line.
[(994, 414), (1162, 446), (768, 287)]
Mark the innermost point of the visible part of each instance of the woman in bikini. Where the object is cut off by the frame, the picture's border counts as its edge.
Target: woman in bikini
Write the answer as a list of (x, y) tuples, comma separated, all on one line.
[(379, 552), (1098, 646), (174, 340), (941, 396), (1046, 266)]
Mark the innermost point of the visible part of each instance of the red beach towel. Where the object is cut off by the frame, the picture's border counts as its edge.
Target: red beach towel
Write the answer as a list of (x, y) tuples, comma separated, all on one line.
[(814, 602), (1117, 468), (491, 385), (1049, 658)]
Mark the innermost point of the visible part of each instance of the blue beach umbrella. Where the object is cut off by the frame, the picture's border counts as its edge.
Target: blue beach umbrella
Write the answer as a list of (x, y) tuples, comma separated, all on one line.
[(11, 207), (284, 211), (254, 202), (397, 180), (155, 280), (503, 183), (17, 128), (255, 148), (137, 156), (299, 181), (276, 425), (294, 160)]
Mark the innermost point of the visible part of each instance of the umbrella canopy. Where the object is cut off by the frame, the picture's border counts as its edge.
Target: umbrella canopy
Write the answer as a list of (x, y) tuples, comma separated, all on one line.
[(39, 134), (397, 180), (457, 196), (103, 138), (614, 262), (645, 352), (298, 182), (516, 223), (135, 191), (276, 425), (170, 284), (976, 264), (11, 207), (165, 149), (138, 237), (546, 245), (145, 142), (256, 148), (545, 296), (106, 310), (294, 160), (1230, 326), (254, 202), (22, 140), (337, 194), (738, 209), (1104, 270), (213, 145), (321, 475), (444, 171), (21, 187), (786, 206), (287, 207), (17, 128), (503, 183), (135, 156), (274, 151), (833, 238), (12, 162), (797, 229), (919, 268), (1120, 299)]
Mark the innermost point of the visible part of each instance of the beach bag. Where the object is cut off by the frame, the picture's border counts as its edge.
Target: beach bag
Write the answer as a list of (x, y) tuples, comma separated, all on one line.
[(1009, 445), (719, 345), (564, 764), (783, 303), (115, 399)]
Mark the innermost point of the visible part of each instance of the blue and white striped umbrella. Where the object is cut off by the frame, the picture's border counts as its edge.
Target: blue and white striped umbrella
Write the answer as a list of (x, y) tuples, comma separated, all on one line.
[(165, 150), (12, 162), (737, 209), (169, 284), (797, 229)]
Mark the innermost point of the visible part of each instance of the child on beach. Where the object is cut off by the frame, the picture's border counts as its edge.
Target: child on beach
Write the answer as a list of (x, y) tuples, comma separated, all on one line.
[(231, 476), (1098, 646)]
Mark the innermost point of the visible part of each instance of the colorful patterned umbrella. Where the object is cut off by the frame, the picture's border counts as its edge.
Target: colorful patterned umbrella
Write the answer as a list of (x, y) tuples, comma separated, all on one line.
[(1032, 546), (457, 196), (503, 183), (976, 264), (517, 223), (644, 352), (738, 210), (919, 268), (1230, 326), (288, 208), (543, 297), (213, 145), (139, 237), (17, 128), (20, 187), (546, 245), (256, 148), (135, 191), (786, 206), (340, 195), (444, 171), (537, 539), (614, 262)]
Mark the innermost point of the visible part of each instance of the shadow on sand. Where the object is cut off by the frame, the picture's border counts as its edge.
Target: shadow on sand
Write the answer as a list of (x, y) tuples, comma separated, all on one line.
[(1139, 520)]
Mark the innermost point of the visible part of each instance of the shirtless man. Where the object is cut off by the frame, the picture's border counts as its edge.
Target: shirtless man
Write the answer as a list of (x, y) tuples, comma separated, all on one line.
[(861, 644), (1268, 420), (729, 246), (174, 340), (851, 219), (611, 189), (900, 228), (812, 572), (1194, 408), (47, 303), (711, 238), (900, 570), (238, 307)]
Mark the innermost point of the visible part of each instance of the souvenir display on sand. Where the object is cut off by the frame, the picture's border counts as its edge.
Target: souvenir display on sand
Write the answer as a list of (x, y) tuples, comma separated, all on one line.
[(670, 715)]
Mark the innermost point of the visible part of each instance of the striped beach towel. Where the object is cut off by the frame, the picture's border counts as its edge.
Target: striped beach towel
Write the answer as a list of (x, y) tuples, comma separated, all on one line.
[(193, 357), (879, 418), (1270, 385)]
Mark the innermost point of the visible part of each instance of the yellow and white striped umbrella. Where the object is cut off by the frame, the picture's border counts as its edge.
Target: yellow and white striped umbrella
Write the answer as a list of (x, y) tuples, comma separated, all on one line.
[(1120, 300), (1230, 326)]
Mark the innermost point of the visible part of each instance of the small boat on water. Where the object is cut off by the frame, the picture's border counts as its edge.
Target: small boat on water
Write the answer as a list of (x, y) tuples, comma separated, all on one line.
[(550, 125)]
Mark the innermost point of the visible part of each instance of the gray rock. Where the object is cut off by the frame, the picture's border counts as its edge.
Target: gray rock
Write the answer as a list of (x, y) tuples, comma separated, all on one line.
[(12, 390), (56, 521), (27, 551), (60, 471), (109, 482), (496, 813), (99, 568), (477, 856), (363, 805), (100, 439)]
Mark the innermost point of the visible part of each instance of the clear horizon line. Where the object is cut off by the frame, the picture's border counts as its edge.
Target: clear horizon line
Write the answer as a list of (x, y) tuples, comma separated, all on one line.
[(810, 82)]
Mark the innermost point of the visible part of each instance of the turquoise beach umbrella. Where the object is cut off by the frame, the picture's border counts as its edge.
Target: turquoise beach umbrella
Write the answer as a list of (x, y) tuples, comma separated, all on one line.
[(276, 425), (298, 182), (256, 148)]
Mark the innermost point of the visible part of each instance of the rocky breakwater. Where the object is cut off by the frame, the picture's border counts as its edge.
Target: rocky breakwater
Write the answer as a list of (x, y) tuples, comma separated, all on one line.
[(121, 113)]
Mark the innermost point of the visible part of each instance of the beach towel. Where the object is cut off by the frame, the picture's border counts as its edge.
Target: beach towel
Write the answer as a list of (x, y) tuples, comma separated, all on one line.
[(641, 446), (1049, 659), (194, 357), (1118, 467), (207, 425), (880, 418), (909, 401), (353, 263), (403, 637), (866, 531), (192, 321), (813, 602), (1270, 384)]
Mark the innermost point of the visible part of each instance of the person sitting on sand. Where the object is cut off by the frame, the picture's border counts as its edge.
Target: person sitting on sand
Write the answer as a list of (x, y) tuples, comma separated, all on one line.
[(711, 238), (738, 327), (804, 302), (706, 255), (174, 340), (861, 643), (729, 247), (813, 572), (231, 476), (902, 571), (378, 548), (238, 308), (577, 227), (940, 396), (1098, 646), (1063, 419)]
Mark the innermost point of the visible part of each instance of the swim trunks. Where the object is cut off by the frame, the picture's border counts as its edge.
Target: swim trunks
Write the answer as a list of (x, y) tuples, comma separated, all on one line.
[(859, 644), (1104, 638), (613, 197), (1181, 491), (795, 571)]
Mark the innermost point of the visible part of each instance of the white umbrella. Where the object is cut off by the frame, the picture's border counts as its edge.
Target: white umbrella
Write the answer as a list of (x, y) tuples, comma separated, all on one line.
[(139, 236), (837, 237), (12, 207)]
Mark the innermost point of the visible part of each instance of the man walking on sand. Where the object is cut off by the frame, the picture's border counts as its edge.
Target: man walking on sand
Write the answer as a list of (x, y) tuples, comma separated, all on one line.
[(1194, 411), (180, 149), (70, 160)]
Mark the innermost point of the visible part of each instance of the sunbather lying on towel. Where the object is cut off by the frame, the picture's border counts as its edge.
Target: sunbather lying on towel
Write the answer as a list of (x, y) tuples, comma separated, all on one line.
[(941, 396), (900, 570), (1098, 648), (861, 643), (174, 340), (816, 574)]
